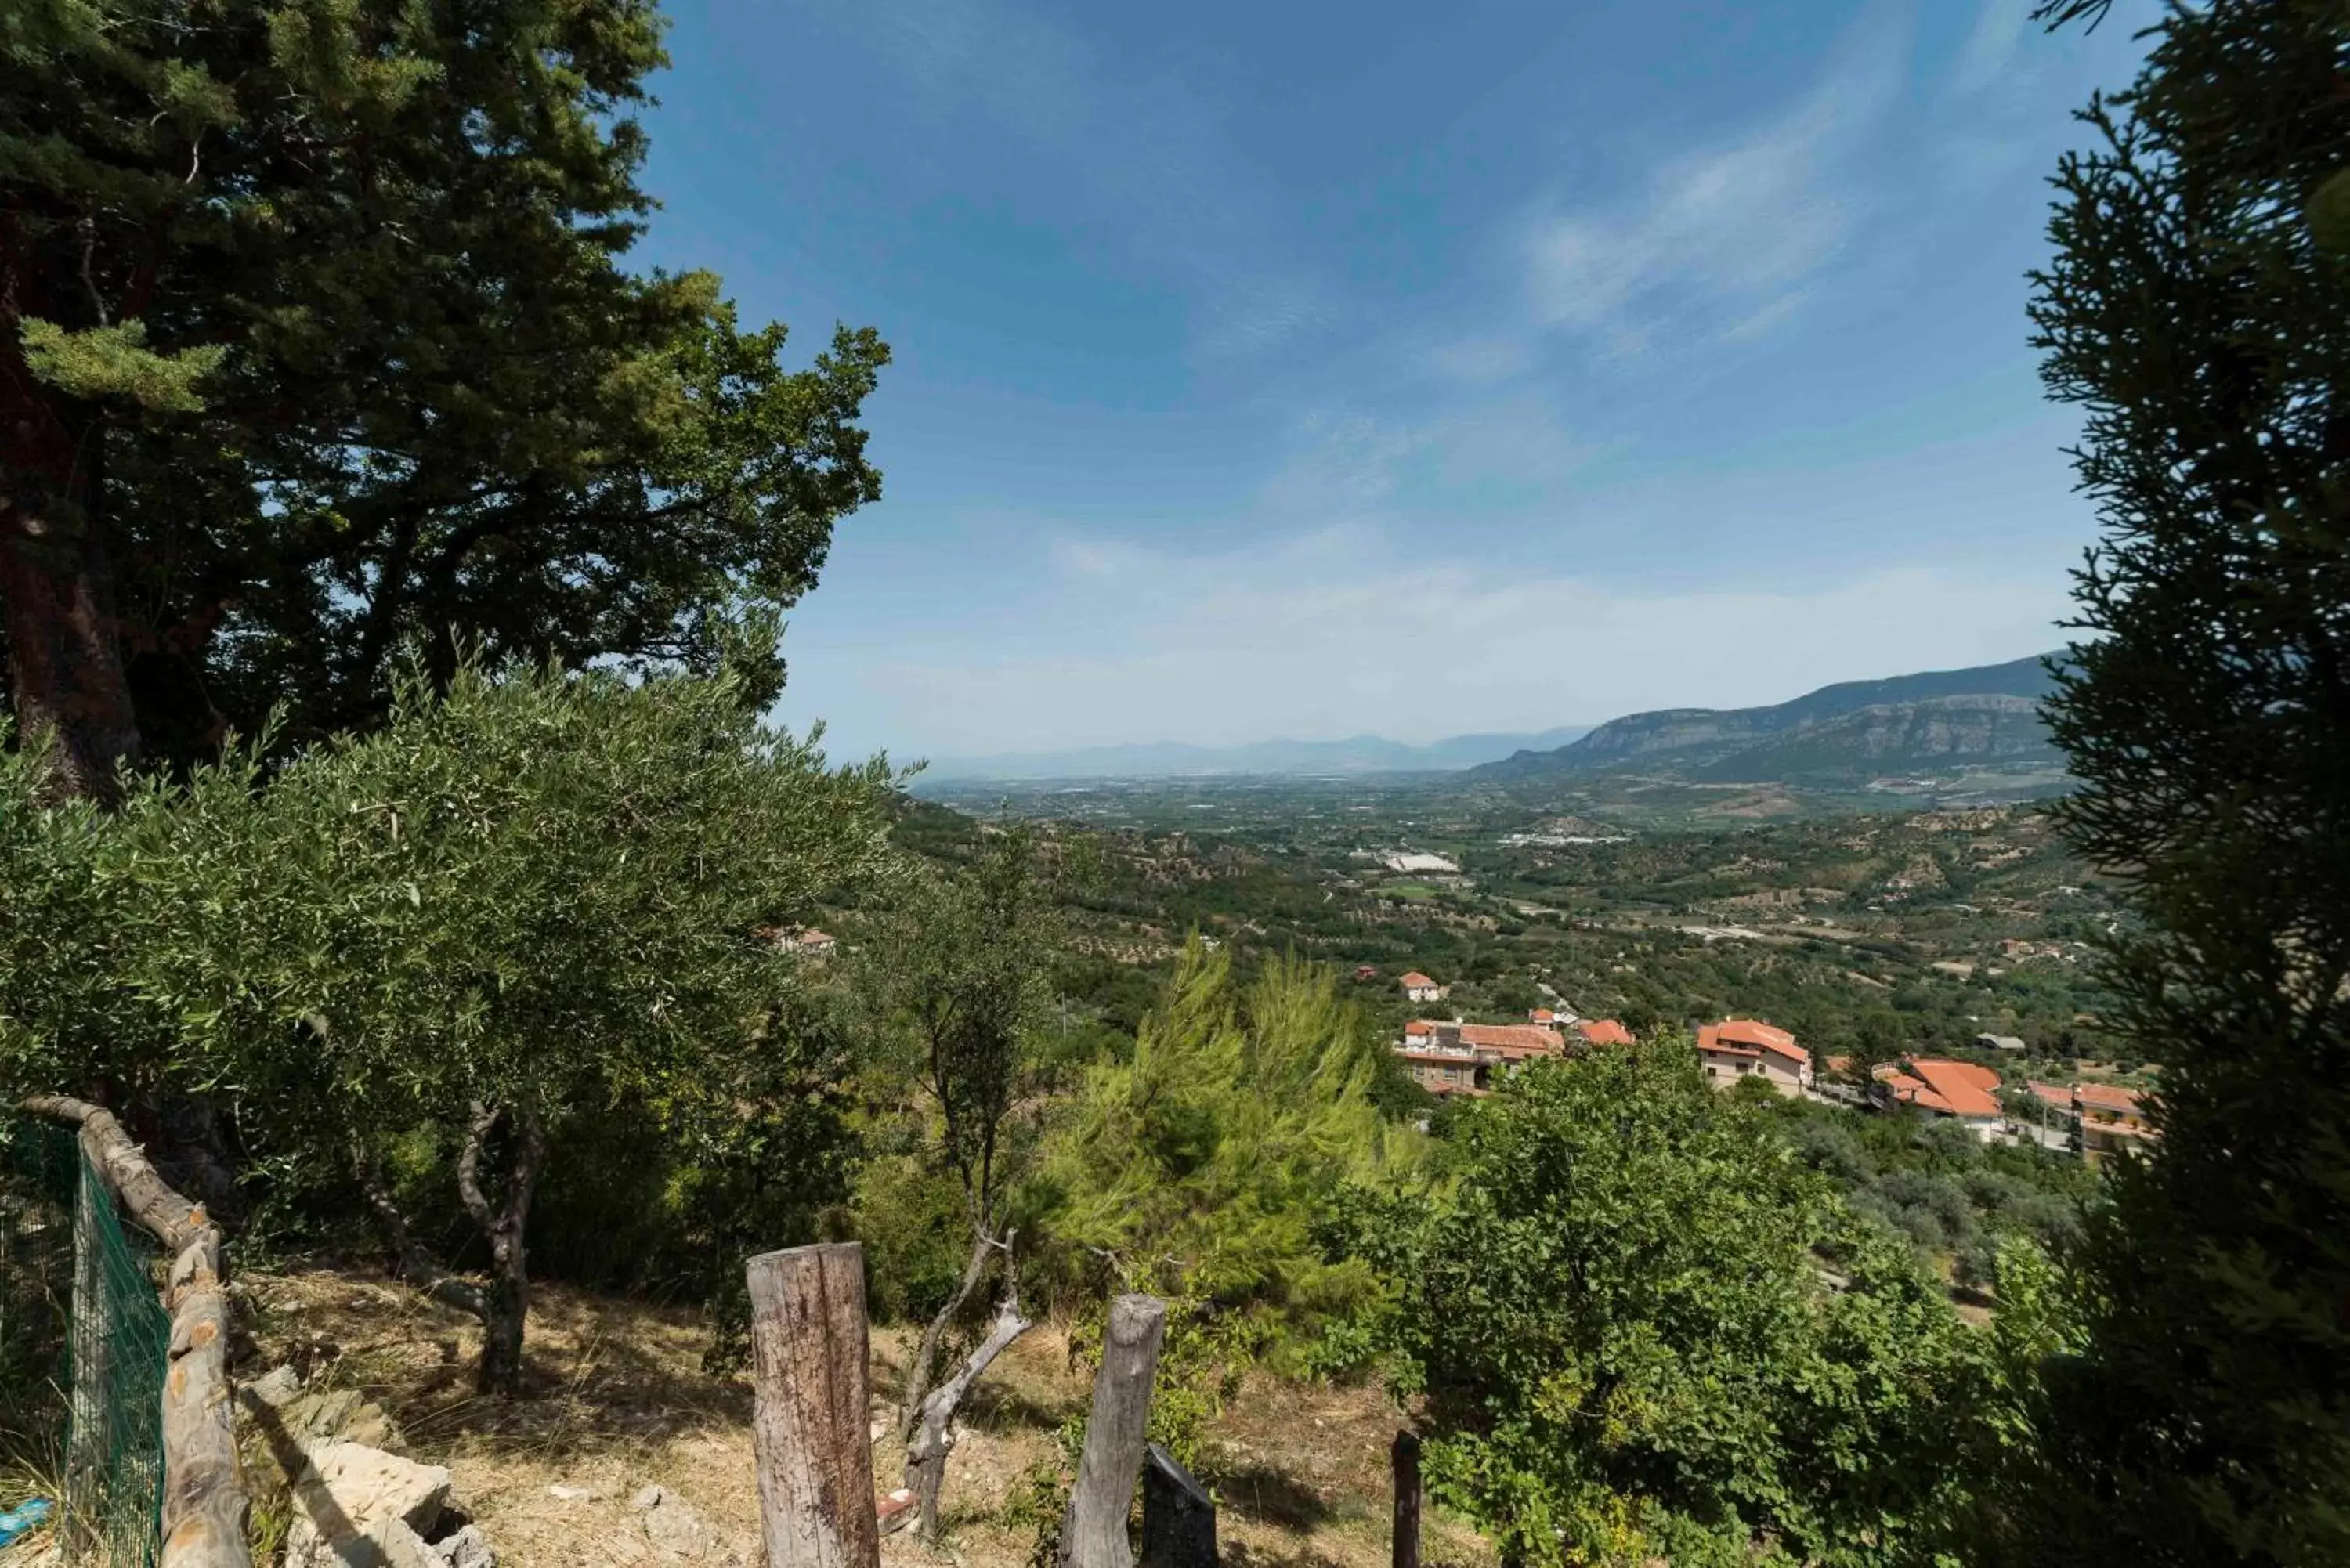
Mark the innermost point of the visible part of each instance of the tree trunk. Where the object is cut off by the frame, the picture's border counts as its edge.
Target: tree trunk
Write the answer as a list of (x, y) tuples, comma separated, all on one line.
[(926, 1452), (506, 1304), (926, 1354), (57, 590)]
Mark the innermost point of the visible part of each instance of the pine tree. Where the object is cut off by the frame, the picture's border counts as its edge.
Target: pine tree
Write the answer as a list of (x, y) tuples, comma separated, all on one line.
[(2198, 311), (315, 338)]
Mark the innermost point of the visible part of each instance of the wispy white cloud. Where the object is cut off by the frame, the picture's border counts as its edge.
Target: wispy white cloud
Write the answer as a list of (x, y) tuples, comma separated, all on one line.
[(1354, 467), (1719, 242), (1990, 45)]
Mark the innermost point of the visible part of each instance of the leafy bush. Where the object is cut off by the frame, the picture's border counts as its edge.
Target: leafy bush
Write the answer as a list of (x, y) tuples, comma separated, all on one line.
[(1612, 1307)]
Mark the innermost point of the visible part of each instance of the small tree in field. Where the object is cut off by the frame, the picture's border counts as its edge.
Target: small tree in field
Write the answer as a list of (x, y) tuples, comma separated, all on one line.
[(523, 900), (956, 969)]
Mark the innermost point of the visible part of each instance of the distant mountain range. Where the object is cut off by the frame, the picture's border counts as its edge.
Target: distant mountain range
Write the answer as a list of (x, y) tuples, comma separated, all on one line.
[(1856, 729), (1942, 719), (1359, 754)]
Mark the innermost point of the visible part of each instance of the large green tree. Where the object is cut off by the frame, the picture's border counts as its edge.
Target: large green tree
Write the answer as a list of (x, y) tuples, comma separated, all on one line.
[(1615, 1310), (2197, 310), (509, 908), (315, 335)]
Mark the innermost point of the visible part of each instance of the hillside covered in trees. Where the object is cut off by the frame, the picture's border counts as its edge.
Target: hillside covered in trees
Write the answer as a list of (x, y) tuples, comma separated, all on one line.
[(396, 845)]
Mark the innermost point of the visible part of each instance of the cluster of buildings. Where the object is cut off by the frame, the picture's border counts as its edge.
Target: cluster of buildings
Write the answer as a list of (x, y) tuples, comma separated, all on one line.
[(1457, 1058)]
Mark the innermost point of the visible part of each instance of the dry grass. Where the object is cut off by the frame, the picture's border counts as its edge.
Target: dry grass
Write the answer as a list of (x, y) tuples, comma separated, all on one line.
[(618, 1400)]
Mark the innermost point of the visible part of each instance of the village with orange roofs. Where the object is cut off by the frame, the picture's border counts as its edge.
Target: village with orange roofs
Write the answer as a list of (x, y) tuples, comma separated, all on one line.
[(1456, 1057)]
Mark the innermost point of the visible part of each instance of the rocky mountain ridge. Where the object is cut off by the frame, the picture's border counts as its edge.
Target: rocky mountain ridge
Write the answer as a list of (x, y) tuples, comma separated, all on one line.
[(1938, 719)]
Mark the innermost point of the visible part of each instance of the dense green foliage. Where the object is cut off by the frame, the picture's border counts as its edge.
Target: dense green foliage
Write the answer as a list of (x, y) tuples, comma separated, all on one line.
[(1201, 1169), (1933, 1182), (322, 309), (2193, 313), (1200, 1165), (1614, 1305), (408, 952)]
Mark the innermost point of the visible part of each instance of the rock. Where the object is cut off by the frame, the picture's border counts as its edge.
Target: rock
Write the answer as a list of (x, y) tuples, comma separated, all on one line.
[(357, 1507), (562, 1493), (468, 1548), (273, 1388), (678, 1534)]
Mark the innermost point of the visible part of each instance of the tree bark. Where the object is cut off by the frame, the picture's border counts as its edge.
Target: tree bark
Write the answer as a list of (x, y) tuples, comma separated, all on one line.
[(503, 1304), (57, 590), (1095, 1534), (926, 1354), (926, 1452), (205, 1508), (506, 1304), (410, 1261)]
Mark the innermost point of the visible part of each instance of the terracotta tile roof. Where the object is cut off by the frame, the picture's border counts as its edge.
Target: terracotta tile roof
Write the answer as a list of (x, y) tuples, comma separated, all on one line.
[(1504, 1039), (1414, 981), (1754, 1034), (2106, 1098), (1540, 1015), (1603, 1031), (1749, 1037), (1716, 1048), (1954, 1089), (1529, 1037), (2057, 1095)]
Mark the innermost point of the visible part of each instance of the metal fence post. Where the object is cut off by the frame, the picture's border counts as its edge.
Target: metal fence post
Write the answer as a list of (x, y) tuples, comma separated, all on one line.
[(1178, 1517)]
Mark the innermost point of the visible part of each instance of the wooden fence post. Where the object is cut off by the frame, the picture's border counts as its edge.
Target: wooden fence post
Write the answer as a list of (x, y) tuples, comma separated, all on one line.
[(810, 1407), (1094, 1536), (1405, 1458), (1178, 1517)]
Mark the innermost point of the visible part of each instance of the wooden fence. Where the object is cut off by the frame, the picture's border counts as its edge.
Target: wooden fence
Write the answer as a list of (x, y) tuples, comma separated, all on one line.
[(814, 1448), (205, 1502)]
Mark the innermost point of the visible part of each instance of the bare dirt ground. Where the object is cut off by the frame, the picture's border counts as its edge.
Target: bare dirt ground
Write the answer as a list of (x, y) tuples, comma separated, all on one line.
[(619, 1401)]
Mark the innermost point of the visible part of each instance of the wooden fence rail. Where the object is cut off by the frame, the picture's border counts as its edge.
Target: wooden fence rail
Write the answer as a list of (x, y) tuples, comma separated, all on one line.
[(205, 1506)]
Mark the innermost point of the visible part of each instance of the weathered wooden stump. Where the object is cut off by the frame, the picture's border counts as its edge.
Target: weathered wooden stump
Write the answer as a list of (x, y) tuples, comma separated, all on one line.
[(1094, 1536), (809, 1436)]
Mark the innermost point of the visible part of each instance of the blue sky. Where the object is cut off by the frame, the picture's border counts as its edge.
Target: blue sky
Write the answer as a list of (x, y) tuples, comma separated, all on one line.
[(1311, 369)]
